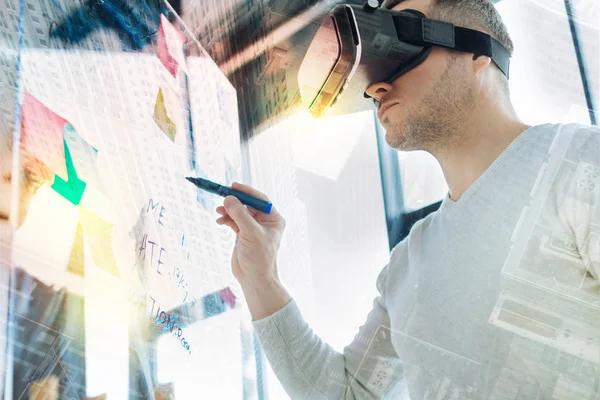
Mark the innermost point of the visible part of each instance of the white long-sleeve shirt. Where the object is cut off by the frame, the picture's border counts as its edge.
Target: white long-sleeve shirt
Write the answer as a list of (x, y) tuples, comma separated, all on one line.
[(495, 296)]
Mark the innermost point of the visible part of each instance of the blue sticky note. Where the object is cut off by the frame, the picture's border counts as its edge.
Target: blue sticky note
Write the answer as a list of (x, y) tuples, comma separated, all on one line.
[(213, 305)]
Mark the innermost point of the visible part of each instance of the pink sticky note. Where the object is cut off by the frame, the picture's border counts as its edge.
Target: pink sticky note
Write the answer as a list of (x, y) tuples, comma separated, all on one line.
[(42, 135), (169, 46), (228, 297)]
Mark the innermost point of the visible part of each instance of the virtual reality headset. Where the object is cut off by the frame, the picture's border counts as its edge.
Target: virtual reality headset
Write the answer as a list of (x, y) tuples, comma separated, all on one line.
[(357, 46)]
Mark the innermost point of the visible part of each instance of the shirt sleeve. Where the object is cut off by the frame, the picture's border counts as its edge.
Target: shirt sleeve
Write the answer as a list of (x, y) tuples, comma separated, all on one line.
[(309, 368)]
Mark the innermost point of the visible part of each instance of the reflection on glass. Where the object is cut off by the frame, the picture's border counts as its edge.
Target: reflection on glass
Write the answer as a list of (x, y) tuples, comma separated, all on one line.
[(319, 61), (115, 279)]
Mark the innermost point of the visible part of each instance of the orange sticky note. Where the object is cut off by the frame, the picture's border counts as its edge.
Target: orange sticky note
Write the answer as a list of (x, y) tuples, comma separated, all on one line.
[(42, 135)]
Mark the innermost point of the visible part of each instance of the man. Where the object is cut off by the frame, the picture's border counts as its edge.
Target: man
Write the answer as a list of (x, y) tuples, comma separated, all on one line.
[(494, 296)]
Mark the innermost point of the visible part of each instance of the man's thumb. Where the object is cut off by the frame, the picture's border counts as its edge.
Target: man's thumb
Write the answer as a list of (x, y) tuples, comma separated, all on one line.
[(239, 214)]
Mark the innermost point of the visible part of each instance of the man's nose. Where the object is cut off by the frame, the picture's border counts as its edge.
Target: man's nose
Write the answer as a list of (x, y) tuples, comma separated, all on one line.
[(378, 90)]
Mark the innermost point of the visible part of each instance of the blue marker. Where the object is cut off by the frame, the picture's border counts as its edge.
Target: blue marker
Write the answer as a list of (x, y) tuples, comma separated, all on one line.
[(225, 191)]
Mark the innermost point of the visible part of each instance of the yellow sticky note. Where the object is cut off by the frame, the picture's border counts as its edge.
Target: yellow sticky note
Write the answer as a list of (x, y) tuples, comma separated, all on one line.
[(76, 259), (98, 234), (161, 116)]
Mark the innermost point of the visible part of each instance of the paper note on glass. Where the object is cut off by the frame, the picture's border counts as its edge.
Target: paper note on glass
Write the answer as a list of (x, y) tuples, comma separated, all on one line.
[(84, 157), (76, 260), (161, 116), (213, 304), (228, 297), (72, 188), (98, 234), (42, 134), (169, 47)]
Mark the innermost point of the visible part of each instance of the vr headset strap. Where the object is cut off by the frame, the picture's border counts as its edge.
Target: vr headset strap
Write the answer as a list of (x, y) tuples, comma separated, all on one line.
[(429, 32)]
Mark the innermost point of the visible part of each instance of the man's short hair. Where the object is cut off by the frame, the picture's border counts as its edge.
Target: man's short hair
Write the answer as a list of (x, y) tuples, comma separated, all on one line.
[(474, 14)]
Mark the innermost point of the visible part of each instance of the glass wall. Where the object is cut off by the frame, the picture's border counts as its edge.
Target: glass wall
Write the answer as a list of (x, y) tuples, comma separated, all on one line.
[(328, 187), (116, 281)]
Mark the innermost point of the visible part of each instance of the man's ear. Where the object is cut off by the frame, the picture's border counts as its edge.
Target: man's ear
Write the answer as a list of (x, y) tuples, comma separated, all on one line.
[(480, 63)]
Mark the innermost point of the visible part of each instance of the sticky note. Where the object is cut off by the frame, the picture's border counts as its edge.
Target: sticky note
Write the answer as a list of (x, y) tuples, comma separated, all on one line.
[(84, 157), (213, 304), (162, 118), (98, 234), (42, 134), (169, 46), (76, 260), (228, 297), (72, 188)]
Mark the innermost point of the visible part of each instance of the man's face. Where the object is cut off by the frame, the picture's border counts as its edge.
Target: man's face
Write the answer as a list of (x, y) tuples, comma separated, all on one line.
[(423, 109)]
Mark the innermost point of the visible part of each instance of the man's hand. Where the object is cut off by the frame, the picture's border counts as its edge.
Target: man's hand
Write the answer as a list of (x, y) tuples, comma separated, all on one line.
[(254, 259), (258, 237)]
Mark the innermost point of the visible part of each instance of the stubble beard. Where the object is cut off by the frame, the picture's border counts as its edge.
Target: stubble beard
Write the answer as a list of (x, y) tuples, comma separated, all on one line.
[(437, 122)]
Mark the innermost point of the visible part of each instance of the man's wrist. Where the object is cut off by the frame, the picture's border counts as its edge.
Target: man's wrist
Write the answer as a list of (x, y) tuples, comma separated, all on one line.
[(257, 285), (265, 297)]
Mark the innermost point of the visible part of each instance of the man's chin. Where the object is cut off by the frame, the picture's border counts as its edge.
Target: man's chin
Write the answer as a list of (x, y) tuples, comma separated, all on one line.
[(395, 136)]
